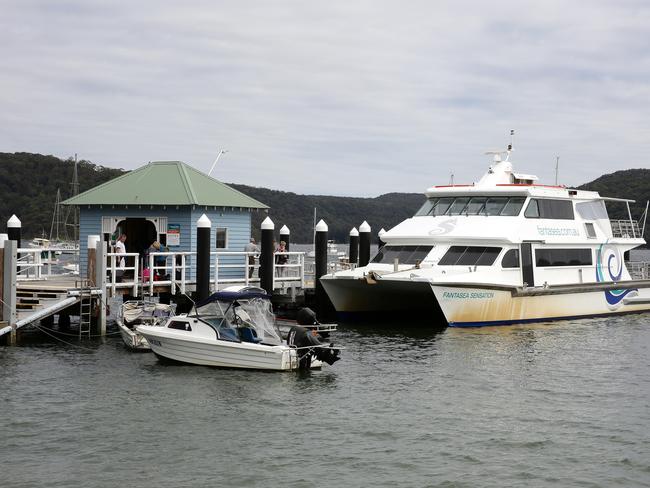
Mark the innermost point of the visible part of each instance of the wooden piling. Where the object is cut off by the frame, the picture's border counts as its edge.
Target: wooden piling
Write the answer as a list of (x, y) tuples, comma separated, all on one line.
[(91, 264), (364, 244), (3, 238), (320, 244), (266, 256), (14, 228), (354, 246), (9, 315), (203, 226), (100, 282), (285, 235)]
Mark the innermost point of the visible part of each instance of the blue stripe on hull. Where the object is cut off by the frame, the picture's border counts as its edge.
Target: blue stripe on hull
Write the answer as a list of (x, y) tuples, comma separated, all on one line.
[(541, 319)]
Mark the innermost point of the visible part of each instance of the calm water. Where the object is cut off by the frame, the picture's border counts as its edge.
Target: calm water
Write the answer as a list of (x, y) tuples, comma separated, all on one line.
[(563, 404)]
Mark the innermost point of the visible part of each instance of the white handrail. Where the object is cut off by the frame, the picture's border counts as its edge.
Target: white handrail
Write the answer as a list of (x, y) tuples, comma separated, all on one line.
[(173, 272), (35, 263)]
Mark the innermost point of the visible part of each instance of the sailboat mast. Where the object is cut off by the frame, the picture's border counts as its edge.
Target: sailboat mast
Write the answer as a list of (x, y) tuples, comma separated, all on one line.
[(75, 208), (56, 216)]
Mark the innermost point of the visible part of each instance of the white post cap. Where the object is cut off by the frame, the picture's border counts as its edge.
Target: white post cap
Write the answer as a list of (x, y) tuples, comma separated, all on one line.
[(354, 232), (364, 227), (92, 241), (381, 232), (203, 222), (14, 222), (3, 238), (267, 224), (321, 226), (285, 230)]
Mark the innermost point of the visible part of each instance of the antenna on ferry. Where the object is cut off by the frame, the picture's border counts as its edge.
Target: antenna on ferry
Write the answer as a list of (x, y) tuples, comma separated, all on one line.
[(557, 166), (215, 161), (451, 180)]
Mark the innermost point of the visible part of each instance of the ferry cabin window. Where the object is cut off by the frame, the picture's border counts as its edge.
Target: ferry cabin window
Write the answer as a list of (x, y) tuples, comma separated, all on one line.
[(510, 259), (543, 208), (426, 208), (442, 205), (505, 206), (591, 231), (470, 256), (513, 207), (222, 238), (435, 206), (475, 206), (494, 205), (405, 254), (562, 257)]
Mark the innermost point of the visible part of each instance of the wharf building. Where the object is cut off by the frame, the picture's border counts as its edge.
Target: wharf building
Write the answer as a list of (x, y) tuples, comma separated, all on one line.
[(162, 201)]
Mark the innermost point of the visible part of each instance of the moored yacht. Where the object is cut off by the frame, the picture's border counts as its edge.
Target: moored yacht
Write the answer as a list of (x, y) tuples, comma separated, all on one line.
[(500, 251)]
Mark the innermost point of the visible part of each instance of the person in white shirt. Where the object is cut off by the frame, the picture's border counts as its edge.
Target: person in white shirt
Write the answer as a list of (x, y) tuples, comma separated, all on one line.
[(120, 248)]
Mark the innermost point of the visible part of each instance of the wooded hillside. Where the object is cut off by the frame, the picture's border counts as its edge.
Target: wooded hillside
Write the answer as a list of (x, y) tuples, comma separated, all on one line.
[(28, 185)]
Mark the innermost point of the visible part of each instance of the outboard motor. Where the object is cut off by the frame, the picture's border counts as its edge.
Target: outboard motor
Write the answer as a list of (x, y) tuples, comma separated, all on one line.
[(309, 340), (306, 316)]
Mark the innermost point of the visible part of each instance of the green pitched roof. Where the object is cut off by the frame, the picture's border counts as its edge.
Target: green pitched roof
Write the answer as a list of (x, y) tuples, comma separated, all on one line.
[(165, 183)]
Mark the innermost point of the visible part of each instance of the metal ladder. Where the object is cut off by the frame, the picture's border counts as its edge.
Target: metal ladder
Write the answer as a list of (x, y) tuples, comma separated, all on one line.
[(85, 309)]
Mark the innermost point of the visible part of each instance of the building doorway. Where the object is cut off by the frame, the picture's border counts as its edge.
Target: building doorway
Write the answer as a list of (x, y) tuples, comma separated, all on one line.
[(140, 233)]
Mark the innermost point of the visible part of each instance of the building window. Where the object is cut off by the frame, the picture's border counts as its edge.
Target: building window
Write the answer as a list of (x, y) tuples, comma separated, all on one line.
[(222, 238), (562, 257)]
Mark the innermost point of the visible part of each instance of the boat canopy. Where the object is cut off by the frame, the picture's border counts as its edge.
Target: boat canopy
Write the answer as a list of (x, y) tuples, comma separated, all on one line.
[(231, 296)]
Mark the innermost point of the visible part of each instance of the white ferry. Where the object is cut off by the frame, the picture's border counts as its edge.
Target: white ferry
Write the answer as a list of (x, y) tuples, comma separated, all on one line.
[(501, 251)]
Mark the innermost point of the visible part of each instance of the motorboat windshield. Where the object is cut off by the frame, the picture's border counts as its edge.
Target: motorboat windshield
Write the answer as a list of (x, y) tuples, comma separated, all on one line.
[(233, 315)]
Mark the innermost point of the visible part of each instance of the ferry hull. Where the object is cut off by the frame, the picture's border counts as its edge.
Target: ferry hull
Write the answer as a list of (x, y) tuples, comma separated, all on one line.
[(466, 306), (357, 299), (473, 307)]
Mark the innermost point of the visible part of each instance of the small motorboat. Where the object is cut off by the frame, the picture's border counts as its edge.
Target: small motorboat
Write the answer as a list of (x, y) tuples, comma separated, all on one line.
[(235, 328), (137, 312)]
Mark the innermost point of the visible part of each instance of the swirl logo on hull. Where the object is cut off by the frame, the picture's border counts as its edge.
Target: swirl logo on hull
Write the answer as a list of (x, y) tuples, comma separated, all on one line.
[(444, 227), (609, 259)]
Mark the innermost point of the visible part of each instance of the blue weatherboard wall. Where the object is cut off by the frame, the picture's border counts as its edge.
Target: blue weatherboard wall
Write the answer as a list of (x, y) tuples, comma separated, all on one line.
[(238, 223)]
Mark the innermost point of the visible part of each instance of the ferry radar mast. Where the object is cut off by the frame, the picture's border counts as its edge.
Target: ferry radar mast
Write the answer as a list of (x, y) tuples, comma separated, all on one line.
[(498, 154)]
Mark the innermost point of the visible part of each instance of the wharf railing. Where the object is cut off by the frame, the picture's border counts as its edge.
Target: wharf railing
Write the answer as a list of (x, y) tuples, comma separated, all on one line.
[(43, 263), (175, 270), (639, 270)]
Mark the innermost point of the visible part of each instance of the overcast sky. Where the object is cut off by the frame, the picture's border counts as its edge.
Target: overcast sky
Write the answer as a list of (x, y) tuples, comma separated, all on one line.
[(332, 97)]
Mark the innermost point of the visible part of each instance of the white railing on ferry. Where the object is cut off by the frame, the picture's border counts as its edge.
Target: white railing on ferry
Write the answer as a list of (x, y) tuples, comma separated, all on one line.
[(627, 229)]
